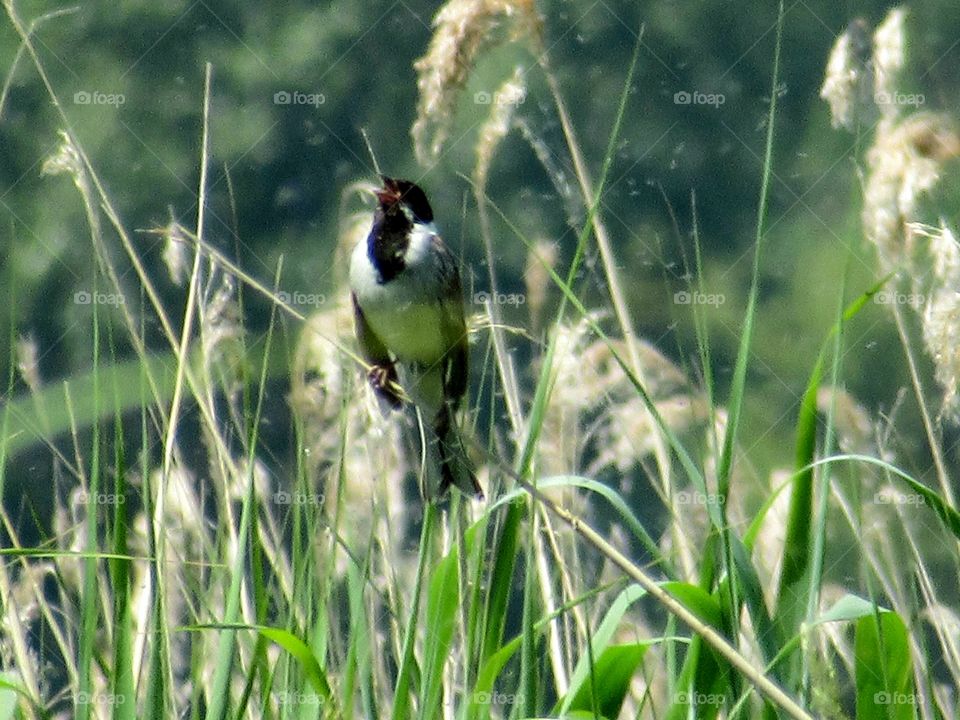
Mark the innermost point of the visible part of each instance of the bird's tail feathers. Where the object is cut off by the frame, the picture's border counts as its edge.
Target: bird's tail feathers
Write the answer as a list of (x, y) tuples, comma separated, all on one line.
[(447, 450)]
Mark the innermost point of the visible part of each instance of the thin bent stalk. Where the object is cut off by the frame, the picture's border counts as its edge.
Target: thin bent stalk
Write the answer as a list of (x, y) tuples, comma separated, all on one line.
[(718, 642)]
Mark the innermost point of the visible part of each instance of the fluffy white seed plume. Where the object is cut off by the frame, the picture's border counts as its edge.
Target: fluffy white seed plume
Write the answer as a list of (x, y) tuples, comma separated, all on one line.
[(940, 317), (840, 84), (904, 162), (888, 57), (861, 75), (463, 29)]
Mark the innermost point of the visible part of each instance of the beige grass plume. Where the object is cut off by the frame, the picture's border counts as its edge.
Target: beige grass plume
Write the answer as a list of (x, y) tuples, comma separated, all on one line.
[(940, 310), (905, 162), (463, 29), (594, 404)]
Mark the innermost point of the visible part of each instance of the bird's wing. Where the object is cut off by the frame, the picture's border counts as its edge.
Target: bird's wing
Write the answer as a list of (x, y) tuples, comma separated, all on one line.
[(456, 362), (457, 369)]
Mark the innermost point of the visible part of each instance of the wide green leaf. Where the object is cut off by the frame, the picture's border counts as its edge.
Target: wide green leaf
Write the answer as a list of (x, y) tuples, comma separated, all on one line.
[(601, 638), (884, 669), (442, 602), (608, 684)]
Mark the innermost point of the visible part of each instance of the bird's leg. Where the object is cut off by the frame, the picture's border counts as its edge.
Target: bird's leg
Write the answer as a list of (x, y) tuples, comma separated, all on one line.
[(383, 380)]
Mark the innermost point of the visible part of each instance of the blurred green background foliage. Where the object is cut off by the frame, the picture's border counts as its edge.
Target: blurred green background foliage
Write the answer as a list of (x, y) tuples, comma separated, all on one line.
[(288, 164)]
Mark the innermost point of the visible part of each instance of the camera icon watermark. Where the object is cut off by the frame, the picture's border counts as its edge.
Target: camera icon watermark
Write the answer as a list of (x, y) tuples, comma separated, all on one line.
[(695, 497), (99, 498), (685, 297), (99, 698), (496, 298), (282, 497), (699, 698), (899, 98), (286, 697), (301, 299), (483, 697), (895, 698), (95, 97), (483, 97), (296, 97), (891, 297), (888, 497), (695, 97), (83, 297)]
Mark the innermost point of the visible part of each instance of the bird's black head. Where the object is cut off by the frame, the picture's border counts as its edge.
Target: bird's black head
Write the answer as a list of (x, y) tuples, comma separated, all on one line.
[(402, 205), (398, 194)]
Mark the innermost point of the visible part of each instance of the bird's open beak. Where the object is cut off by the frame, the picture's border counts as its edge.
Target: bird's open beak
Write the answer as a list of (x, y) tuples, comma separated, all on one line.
[(386, 194), (389, 194)]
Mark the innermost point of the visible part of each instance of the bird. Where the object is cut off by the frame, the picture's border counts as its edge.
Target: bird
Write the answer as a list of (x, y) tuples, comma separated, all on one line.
[(410, 326)]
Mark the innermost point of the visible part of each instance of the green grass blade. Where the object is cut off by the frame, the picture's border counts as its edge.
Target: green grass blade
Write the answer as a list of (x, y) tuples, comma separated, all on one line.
[(849, 607), (90, 601), (703, 686), (738, 384), (8, 698), (884, 669), (123, 686), (610, 681), (501, 579), (443, 602), (767, 632), (297, 649), (599, 641), (526, 703), (928, 497), (308, 662), (494, 665), (358, 670), (117, 388), (797, 545), (220, 692), (401, 699), (616, 501)]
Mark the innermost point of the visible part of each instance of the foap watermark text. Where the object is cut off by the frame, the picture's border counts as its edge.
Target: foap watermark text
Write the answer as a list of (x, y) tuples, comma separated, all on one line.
[(301, 299), (95, 97), (891, 297), (297, 97), (498, 298), (82, 297), (685, 297), (685, 97)]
